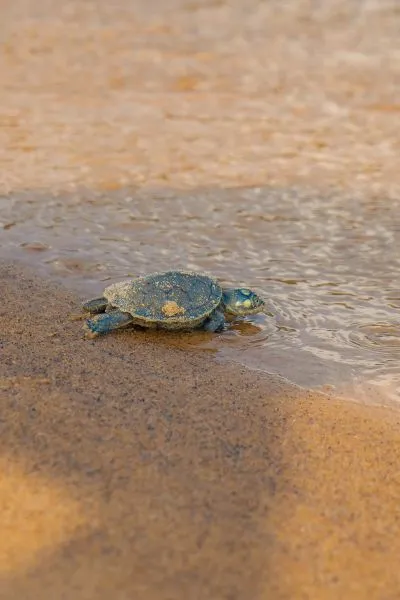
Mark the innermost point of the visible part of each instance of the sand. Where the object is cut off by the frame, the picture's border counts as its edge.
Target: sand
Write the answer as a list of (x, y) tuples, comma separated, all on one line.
[(134, 469), (189, 93), (131, 468)]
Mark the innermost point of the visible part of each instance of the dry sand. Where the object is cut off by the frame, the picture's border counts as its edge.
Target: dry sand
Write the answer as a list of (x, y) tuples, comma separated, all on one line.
[(131, 469)]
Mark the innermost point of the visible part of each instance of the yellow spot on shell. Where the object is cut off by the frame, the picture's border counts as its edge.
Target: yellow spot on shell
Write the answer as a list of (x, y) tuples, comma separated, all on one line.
[(247, 303), (171, 308)]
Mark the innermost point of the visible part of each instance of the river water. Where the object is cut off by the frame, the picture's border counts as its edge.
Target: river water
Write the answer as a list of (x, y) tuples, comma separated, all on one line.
[(327, 265)]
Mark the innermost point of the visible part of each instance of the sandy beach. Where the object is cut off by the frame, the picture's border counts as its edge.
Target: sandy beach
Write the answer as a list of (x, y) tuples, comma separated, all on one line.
[(135, 470), (134, 466)]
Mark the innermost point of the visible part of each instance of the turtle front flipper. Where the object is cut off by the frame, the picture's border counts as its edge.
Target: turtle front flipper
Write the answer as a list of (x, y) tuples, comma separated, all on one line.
[(95, 306), (106, 322), (215, 322)]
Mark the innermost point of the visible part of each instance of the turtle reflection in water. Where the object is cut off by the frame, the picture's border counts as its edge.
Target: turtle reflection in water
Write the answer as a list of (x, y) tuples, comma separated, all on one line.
[(174, 300)]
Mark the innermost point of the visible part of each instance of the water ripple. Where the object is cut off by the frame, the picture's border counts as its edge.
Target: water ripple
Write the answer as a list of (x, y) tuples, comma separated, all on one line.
[(329, 267)]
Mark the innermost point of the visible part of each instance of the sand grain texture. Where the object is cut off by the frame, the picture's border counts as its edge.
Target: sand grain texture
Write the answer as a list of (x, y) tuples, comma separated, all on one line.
[(136, 469)]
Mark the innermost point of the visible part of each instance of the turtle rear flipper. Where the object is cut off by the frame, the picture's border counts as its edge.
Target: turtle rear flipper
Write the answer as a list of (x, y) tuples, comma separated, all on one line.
[(106, 322), (95, 306)]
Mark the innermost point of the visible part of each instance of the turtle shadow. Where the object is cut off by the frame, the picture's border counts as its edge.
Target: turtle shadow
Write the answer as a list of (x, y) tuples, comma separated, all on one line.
[(197, 340)]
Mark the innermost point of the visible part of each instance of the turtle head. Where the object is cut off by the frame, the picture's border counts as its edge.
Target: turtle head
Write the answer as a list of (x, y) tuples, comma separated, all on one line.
[(242, 301)]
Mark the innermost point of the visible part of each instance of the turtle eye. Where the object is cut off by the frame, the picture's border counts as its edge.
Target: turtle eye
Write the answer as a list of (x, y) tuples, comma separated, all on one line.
[(245, 292)]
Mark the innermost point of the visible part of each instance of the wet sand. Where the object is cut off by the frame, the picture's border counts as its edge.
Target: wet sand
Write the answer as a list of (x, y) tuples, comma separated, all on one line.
[(188, 94), (134, 470)]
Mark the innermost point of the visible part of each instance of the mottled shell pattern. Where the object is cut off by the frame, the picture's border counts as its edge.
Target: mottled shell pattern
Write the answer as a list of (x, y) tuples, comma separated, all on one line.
[(171, 298)]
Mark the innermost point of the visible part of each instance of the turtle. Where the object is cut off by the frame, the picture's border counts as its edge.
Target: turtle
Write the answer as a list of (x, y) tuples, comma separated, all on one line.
[(173, 300)]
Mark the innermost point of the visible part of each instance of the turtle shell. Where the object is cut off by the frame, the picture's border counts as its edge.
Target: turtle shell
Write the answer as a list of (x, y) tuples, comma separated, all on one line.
[(174, 299)]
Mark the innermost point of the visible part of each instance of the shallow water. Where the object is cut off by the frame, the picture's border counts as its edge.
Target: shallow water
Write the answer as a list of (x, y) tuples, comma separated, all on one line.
[(329, 268)]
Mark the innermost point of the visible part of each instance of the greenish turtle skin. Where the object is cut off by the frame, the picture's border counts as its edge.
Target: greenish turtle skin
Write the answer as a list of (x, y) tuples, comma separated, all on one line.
[(173, 300)]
